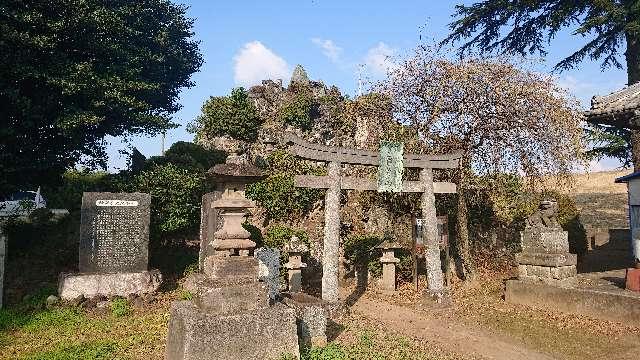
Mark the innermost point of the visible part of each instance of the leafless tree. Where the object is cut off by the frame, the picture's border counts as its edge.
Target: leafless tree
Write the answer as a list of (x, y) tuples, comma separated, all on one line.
[(503, 118)]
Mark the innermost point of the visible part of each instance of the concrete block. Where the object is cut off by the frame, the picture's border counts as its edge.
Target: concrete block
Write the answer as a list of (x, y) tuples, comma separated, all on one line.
[(620, 306), (253, 335), (70, 286)]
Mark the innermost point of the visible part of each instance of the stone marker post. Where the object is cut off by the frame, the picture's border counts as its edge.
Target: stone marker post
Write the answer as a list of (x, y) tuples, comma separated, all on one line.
[(296, 248), (331, 250), (389, 262), (269, 269), (430, 233), (3, 251)]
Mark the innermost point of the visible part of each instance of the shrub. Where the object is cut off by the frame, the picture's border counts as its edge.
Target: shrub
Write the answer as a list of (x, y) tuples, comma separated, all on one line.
[(68, 195), (233, 115), (188, 155), (298, 110), (190, 269), (175, 198), (277, 236), (255, 234), (120, 307), (277, 193)]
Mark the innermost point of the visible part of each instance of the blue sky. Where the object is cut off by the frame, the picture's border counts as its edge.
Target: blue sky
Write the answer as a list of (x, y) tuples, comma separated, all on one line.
[(334, 40)]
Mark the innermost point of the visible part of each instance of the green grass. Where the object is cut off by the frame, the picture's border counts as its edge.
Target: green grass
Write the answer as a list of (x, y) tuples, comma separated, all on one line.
[(368, 346), (85, 351), (61, 318), (120, 307), (186, 295)]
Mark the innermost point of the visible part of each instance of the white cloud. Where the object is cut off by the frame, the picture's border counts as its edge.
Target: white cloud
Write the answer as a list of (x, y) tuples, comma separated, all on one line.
[(255, 62), (329, 49), (379, 58), (582, 90)]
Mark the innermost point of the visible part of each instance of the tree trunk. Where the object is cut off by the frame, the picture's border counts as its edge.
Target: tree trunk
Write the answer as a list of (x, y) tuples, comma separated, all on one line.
[(633, 73), (466, 268), (633, 58), (635, 149)]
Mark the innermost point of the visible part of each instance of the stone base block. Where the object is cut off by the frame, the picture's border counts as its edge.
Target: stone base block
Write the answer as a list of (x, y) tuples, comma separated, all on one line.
[(547, 274), (231, 267), (311, 318), (545, 259), (632, 279), (254, 335), (70, 286), (620, 306), (545, 241), (233, 298)]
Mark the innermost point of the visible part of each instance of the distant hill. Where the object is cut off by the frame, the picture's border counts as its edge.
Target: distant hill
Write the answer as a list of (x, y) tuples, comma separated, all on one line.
[(602, 202)]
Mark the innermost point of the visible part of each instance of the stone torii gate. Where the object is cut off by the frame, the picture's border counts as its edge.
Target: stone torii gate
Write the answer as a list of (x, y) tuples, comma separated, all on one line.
[(334, 183)]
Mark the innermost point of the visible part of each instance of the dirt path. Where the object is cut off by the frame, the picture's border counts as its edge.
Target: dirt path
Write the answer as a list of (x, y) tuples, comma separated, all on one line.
[(458, 338)]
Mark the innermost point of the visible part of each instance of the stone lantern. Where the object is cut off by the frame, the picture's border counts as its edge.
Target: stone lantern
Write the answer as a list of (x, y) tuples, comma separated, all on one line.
[(389, 261), (231, 239), (296, 248), (231, 315)]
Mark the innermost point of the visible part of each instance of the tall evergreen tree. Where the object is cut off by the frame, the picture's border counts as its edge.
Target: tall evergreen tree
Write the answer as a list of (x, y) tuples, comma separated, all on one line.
[(76, 71), (609, 27)]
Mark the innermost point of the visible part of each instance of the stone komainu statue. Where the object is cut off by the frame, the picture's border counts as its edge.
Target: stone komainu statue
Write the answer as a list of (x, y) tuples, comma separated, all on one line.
[(545, 217)]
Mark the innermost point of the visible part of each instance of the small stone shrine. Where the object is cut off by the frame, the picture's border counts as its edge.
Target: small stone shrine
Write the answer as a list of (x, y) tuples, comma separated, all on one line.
[(114, 248), (295, 248), (545, 253), (231, 316), (389, 261)]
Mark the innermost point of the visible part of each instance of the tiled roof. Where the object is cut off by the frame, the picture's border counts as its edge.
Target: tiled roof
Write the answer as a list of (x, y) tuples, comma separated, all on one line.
[(621, 101)]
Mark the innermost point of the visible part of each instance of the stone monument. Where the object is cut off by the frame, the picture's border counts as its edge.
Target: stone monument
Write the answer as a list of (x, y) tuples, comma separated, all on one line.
[(114, 248), (545, 253), (231, 315)]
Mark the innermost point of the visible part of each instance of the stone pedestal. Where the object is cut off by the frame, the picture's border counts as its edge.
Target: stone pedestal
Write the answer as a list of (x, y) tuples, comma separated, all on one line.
[(545, 257), (389, 262), (296, 248), (264, 333), (71, 286)]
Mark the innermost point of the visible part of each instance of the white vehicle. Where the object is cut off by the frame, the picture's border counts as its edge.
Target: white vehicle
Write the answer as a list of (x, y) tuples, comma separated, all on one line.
[(22, 203)]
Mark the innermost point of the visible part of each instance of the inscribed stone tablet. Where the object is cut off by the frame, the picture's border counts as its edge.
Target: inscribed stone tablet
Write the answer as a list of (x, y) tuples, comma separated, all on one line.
[(390, 168), (114, 232)]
